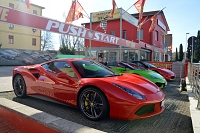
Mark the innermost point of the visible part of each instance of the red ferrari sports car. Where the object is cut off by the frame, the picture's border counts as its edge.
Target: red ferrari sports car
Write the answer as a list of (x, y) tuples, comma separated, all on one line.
[(166, 73), (92, 87)]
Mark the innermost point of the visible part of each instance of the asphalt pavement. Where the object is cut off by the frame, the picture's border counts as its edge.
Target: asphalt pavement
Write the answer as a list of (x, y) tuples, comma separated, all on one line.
[(176, 118)]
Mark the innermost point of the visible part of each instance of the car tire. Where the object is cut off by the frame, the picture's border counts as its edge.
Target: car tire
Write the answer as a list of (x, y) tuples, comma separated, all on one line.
[(93, 104), (19, 86)]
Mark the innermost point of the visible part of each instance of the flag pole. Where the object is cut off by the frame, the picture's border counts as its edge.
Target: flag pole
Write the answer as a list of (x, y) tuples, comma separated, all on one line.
[(84, 11), (128, 9), (74, 9), (17, 4), (120, 34), (90, 50), (153, 15)]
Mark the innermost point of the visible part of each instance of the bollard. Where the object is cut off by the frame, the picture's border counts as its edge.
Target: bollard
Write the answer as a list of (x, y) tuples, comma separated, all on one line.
[(183, 82)]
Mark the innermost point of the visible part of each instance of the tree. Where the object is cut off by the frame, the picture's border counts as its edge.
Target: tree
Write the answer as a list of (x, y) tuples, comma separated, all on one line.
[(65, 45), (198, 47), (69, 44), (176, 55), (46, 41), (181, 52)]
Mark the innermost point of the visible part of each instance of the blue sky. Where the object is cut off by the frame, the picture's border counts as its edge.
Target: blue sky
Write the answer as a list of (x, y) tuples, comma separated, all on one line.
[(183, 16)]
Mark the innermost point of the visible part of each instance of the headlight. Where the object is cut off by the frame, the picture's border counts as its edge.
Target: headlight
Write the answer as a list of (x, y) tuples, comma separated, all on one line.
[(131, 92)]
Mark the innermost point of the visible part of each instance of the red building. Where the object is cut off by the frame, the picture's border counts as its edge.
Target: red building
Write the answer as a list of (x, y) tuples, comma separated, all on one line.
[(146, 45)]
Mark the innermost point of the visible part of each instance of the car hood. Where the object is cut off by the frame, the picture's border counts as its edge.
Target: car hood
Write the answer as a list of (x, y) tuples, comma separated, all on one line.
[(149, 74), (134, 82)]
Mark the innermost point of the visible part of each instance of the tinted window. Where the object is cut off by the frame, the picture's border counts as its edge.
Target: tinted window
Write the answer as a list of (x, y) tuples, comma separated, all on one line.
[(56, 67), (91, 69), (150, 65)]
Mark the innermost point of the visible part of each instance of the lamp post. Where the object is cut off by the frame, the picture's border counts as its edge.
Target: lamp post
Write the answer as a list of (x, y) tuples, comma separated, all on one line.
[(90, 43), (186, 45), (120, 35)]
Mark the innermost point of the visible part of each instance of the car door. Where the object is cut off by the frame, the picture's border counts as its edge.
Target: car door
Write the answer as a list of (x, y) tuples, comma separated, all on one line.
[(64, 88), (46, 80)]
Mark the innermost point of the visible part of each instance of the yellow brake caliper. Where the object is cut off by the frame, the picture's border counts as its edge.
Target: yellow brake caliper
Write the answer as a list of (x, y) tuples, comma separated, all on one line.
[(86, 102)]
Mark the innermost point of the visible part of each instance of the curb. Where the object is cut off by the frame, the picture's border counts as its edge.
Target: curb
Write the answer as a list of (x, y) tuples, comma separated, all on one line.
[(46, 121), (194, 112)]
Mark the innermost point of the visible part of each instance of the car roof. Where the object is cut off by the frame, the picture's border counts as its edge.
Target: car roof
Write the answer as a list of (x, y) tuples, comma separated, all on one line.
[(66, 59), (71, 59)]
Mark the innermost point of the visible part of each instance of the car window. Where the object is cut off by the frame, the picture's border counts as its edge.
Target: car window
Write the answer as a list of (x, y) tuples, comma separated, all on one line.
[(139, 64), (46, 67), (57, 67), (150, 65), (66, 68), (123, 64), (89, 69), (51, 67)]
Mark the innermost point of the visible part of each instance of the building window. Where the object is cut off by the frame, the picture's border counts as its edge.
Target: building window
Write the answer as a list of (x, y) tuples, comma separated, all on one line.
[(34, 30), (124, 34), (10, 26), (156, 35), (112, 33), (140, 34), (35, 12), (11, 5), (34, 41), (11, 39)]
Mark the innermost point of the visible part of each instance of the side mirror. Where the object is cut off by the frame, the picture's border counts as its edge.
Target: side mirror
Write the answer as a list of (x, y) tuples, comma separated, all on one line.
[(63, 75)]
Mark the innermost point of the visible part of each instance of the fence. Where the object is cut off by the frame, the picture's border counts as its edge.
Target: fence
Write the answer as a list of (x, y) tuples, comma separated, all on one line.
[(167, 65), (194, 79)]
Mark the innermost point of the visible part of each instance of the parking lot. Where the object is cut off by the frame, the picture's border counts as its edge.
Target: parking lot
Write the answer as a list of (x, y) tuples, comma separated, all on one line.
[(175, 119)]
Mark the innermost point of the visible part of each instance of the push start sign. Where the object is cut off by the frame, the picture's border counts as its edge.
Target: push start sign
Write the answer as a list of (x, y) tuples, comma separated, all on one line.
[(8, 15)]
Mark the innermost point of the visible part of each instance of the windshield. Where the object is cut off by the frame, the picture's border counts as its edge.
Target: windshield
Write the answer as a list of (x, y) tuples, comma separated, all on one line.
[(149, 65), (128, 66), (92, 69)]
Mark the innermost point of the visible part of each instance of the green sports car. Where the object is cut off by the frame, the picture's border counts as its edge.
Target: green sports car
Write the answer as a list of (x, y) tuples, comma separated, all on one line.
[(123, 67)]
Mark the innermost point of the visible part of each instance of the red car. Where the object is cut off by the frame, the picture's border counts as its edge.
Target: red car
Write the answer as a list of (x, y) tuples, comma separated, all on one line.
[(166, 73), (90, 86)]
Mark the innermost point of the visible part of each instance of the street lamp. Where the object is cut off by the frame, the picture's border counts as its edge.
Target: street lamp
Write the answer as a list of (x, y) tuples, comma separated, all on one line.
[(186, 46)]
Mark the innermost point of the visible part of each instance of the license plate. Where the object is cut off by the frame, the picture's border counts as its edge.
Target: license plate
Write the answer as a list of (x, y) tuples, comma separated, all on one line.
[(162, 103)]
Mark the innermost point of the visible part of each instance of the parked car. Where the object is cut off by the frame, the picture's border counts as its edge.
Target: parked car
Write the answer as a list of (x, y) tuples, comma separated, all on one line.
[(12, 52), (46, 57), (17, 51), (7, 55), (93, 88), (35, 56), (28, 60), (166, 73), (123, 67), (28, 52)]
